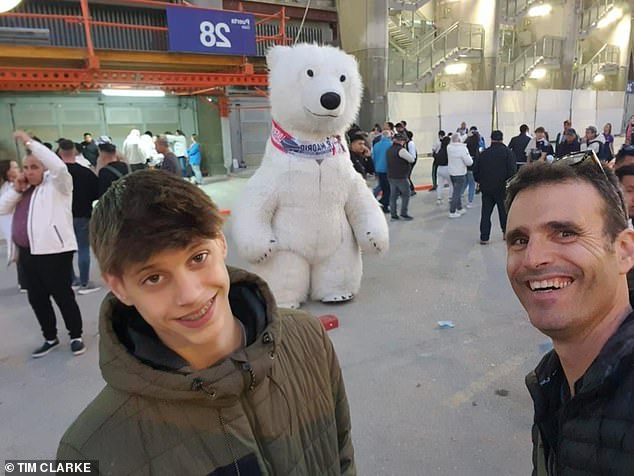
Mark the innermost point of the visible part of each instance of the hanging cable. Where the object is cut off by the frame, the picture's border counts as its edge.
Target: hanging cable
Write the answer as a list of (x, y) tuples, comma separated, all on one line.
[(301, 25)]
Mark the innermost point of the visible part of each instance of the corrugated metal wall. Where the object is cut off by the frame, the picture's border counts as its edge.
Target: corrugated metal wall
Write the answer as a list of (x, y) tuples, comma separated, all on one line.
[(63, 33)]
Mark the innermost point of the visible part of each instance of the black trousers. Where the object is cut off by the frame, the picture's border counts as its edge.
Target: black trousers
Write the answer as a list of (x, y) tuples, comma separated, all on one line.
[(51, 276), (384, 183), (489, 201)]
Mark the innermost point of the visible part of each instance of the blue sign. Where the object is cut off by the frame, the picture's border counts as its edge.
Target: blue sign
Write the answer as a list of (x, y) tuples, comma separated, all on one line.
[(196, 30)]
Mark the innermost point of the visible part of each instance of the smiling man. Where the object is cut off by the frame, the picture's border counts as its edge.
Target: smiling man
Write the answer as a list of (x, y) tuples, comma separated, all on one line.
[(569, 249), (204, 374)]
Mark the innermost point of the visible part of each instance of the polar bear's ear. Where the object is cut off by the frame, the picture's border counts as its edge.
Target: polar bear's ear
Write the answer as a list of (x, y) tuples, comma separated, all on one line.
[(274, 54)]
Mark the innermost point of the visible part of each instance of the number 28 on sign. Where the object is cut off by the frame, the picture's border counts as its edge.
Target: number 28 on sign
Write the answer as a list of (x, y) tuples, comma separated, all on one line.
[(214, 35)]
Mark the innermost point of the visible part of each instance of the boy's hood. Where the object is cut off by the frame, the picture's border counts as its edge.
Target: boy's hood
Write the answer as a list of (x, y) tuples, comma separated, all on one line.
[(134, 360)]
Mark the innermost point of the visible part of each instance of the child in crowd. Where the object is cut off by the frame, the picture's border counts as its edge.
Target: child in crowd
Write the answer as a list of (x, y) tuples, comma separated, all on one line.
[(204, 374)]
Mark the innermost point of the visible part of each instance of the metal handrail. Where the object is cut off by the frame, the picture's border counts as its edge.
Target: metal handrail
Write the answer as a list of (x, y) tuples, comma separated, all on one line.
[(549, 47), (607, 55), (591, 15), (413, 67), (90, 27), (515, 8)]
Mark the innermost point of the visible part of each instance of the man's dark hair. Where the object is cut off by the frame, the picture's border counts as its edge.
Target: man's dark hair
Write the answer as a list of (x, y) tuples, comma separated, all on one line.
[(108, 148), (625, 151), (66, 145), (404, 123), (5, 166), (357, 137), (146, 213), (442, 133), (410, 135), (87, 134), (523, 129), (624, 171), (390, 125), (540, 129), (148, 133), (48, 145), (540, 173)]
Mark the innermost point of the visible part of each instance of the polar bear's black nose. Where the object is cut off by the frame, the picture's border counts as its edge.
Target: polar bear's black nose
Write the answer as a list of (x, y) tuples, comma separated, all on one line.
[(330, 101)]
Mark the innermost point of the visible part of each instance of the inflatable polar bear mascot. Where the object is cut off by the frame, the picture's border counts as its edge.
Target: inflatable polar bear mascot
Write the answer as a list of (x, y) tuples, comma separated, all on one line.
[(306, 214)]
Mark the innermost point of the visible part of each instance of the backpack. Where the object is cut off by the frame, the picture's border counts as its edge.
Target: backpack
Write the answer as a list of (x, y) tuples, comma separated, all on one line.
[(604, 154)]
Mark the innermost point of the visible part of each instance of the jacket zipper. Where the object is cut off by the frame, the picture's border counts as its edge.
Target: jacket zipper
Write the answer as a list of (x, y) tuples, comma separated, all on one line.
[(30, 219), (198, 385), (58, 235)]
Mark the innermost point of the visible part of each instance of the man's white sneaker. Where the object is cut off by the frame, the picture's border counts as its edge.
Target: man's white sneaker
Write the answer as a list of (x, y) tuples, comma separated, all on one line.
[(455, 215), (462, 211)]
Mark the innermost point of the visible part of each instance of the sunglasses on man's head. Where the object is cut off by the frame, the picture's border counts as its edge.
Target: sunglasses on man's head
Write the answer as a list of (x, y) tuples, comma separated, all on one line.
[(589, 156)]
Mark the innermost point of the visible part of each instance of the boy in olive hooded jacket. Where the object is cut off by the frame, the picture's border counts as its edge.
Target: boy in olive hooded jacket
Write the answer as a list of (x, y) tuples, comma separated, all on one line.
[(205, 375)]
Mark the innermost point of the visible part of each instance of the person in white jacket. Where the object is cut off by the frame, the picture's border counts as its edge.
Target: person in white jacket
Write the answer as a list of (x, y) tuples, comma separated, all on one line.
[(178, 144), (133, 151), (458, 158), (9, 171), (42, 230)]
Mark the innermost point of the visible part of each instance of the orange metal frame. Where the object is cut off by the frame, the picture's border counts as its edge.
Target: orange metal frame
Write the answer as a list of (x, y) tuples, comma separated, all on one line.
[(91, 77)]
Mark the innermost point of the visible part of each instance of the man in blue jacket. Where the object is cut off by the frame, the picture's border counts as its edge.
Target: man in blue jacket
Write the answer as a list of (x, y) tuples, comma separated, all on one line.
[(379, 157)]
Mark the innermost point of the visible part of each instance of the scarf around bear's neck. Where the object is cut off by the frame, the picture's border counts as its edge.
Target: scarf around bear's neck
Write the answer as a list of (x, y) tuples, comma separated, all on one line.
[(282, 140)]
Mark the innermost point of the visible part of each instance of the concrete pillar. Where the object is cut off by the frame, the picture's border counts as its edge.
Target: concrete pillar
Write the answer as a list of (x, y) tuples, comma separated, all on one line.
[(364, 34)]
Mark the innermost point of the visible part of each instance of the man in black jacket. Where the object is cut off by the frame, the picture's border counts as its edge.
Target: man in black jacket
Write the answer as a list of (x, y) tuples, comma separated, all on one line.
[(493, 168), (569, 250), (569, 145), (399, 165), (518, 145)]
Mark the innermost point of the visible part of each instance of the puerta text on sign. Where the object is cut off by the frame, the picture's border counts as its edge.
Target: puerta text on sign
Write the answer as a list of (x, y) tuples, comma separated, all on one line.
[(196, 30)]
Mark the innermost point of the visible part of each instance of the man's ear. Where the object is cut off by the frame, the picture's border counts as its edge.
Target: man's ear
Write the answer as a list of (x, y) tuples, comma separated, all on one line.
[(223, 244), (625, 250), (118, 288)]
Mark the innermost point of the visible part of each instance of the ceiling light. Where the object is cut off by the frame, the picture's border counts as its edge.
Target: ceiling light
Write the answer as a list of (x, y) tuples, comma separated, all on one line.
[(137, 93), (6, 5), (599, 78), (540, 10), (612, 16), (456, 68), (539, 73)]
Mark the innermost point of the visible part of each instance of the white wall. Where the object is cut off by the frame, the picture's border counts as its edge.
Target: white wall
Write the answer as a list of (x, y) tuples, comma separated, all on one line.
[(426, 113)]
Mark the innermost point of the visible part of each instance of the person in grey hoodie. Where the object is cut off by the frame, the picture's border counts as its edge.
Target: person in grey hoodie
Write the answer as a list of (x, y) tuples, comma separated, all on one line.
[(459, 158)]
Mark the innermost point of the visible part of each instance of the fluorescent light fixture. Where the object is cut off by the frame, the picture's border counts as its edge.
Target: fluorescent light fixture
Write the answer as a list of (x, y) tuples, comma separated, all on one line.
[(456, 68), (599, 78), (540, 10), (612, 16), (538, 73), (136, 93), (6, 5)]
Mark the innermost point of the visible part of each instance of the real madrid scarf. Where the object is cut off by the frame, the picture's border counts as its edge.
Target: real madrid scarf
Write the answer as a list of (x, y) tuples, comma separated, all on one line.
[(288, 144)]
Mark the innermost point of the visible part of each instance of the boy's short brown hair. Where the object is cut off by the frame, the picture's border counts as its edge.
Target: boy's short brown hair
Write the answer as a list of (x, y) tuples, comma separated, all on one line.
[(145, 213)]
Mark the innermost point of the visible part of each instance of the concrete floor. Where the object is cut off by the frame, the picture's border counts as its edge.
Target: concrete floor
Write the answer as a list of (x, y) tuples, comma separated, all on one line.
[(423, 399)]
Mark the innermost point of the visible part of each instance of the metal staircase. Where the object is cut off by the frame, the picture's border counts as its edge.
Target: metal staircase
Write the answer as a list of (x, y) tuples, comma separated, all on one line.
[(413, 69), (605, 61), (545, 52), (591, 16)]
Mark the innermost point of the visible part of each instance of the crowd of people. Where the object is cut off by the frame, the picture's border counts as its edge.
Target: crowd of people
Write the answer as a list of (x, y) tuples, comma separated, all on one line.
[(182, 334), (46, 206)]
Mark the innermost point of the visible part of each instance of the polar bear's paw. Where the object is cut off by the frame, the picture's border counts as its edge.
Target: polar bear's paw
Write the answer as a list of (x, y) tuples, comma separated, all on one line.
[(375, 244), (267, 253), (337, 298)]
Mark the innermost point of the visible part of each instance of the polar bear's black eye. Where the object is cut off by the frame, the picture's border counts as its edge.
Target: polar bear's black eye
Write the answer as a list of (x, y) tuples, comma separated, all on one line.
[(310, 73), (342, 78)]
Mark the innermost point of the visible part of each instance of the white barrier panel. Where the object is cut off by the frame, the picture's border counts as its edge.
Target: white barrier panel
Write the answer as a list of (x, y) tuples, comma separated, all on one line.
[(584, 110), (610, 108), (515, 108), (553, 108), (420, 110), (472, 107)]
